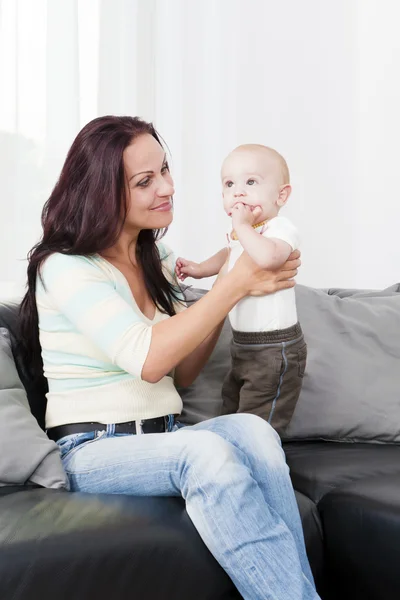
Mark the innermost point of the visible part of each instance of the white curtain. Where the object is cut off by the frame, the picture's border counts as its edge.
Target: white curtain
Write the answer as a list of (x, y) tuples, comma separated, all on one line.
[(316, 80)]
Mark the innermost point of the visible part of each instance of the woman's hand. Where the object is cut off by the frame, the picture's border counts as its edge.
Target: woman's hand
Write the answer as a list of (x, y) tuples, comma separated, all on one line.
[(260, 282)]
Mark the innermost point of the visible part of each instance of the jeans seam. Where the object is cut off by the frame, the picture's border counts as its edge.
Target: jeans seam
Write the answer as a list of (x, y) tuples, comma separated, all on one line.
[(249, 566), (98, 469)]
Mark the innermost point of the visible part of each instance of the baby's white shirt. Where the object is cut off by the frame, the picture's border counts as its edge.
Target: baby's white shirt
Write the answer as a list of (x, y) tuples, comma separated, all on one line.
[(274, 311)]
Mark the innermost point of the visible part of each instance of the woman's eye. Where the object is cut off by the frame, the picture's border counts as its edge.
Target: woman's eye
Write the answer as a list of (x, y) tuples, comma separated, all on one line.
[(229, 184), (165, 168), (144, 182), (251, 181)]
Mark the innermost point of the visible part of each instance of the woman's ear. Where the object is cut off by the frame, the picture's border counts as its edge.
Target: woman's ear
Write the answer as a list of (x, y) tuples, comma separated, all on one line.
[(284, 194)]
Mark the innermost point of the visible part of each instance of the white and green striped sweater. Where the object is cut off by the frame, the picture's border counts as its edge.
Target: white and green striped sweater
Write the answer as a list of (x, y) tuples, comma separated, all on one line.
[(95, 341)]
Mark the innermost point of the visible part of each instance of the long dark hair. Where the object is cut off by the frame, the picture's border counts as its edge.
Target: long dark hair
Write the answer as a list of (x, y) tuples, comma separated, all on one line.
[(83, 217)]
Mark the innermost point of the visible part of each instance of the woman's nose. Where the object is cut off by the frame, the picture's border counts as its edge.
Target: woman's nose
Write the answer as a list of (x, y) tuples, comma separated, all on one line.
[(165, 188)]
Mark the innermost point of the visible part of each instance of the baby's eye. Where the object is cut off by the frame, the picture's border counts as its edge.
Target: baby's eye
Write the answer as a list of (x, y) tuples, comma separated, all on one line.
[(251, 181), (229, 184)]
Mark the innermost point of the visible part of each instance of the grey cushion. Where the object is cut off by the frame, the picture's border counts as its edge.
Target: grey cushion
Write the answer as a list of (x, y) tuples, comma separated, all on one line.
[(26, 453), (351, 389)]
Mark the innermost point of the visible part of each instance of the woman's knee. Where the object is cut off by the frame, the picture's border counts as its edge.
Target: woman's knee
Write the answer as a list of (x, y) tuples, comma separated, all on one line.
[(254, 437), (212, 466), (207, 454), (203, 445), (252, 426)]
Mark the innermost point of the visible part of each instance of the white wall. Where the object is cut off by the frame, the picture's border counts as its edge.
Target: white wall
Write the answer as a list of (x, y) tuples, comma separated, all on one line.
[(283, 76), (377, 167), (316, 80)]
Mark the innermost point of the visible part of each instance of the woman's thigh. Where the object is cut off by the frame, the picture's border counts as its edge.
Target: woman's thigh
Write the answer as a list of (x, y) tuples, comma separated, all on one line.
[(144, 465)]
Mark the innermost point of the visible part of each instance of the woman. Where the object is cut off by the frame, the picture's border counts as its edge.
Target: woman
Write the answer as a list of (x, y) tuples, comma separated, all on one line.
[(115, 337)]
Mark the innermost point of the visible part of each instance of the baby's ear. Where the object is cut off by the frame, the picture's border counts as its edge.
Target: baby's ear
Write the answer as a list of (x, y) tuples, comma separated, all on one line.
[(284, 194)]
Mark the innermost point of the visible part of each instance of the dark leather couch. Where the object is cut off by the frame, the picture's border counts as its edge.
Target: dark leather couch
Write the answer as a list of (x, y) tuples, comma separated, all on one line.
[(56, 544)]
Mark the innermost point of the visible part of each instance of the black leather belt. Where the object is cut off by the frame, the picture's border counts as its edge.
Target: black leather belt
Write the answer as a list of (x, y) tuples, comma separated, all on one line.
[(158, 425)]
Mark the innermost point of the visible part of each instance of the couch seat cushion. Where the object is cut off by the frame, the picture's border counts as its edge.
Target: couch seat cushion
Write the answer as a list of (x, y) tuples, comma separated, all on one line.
[(319, 467), (362, 526), (56, 544)]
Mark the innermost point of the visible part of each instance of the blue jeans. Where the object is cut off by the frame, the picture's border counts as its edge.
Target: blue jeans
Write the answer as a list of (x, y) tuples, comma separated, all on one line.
[(232, 473)]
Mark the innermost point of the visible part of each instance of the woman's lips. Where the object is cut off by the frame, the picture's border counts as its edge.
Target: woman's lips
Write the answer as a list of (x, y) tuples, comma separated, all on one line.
[(164, 207)]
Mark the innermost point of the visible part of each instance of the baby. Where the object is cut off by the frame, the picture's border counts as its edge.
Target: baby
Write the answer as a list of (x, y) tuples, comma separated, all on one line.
[(268, 348)]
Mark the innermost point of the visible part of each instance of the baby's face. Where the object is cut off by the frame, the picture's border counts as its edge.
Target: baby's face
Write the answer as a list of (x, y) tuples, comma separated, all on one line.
[(253, 178)]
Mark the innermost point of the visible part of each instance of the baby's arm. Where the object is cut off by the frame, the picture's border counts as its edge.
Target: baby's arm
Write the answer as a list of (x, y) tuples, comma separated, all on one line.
[(187, 268), (268, 253)]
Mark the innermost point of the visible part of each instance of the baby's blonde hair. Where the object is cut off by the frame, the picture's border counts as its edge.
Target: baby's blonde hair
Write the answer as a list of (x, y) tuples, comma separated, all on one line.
[(272, 154)]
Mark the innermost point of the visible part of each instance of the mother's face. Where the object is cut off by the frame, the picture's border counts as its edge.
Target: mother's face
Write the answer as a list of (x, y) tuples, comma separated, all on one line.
[(149, 185)]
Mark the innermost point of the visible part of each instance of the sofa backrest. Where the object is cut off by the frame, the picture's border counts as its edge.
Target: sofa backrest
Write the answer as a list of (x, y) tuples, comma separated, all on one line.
[(351, 385)]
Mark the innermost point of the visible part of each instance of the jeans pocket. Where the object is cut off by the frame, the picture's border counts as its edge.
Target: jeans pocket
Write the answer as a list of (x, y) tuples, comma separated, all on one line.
[(71, 442), (66, 444)]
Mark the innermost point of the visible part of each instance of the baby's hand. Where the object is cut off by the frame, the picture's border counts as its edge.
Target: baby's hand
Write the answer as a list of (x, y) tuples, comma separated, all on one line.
[(187, 268), (242, 214)]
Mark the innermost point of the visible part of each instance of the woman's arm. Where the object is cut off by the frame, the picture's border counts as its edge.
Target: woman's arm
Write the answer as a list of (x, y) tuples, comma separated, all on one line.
[(189, 368), (176, 338)]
